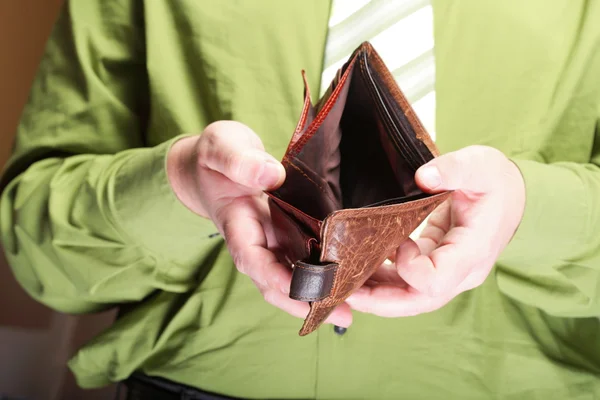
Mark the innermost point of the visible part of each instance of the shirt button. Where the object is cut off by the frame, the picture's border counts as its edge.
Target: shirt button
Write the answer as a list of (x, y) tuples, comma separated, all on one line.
[(339, 330)]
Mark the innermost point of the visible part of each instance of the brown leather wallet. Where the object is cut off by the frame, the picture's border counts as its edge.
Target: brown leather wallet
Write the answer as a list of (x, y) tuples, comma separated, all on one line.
[(350, 197)]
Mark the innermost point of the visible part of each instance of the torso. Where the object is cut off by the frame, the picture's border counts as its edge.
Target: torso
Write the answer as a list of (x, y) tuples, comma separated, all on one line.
[(508, 74)]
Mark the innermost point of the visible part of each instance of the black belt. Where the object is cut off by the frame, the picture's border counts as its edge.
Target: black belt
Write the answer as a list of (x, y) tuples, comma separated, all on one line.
[(143, 387)]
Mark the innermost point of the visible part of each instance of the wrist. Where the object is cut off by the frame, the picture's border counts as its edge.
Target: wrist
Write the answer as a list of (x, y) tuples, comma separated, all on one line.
[(182, 169)]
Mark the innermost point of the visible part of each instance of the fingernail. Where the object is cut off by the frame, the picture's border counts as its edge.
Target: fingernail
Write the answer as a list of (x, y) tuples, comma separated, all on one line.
[(271, 174), (406, 244), (407, 251), (430, 176)]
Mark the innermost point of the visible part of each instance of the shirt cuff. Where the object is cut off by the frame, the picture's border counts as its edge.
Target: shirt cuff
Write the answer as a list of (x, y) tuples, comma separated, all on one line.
[(151, 215), (554, 219)]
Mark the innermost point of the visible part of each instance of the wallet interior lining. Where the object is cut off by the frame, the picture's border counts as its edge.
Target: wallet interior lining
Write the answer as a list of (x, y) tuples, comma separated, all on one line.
[(364, 153), (419, 150)]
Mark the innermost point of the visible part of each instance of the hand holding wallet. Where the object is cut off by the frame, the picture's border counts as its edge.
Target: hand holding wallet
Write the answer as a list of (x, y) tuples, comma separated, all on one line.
[(350, 197)]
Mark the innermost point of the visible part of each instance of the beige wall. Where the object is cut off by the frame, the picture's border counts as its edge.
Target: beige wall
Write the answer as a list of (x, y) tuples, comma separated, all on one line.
[(34, 341)]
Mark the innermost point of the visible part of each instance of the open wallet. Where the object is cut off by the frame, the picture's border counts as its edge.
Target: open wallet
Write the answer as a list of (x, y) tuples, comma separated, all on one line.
[(350, 197)]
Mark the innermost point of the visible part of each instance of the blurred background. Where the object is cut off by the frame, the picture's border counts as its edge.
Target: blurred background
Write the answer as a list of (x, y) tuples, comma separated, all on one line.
[(35, 342)]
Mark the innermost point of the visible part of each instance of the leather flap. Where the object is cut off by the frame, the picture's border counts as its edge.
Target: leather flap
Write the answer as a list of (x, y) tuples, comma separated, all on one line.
[(312, 282), (359, 241)]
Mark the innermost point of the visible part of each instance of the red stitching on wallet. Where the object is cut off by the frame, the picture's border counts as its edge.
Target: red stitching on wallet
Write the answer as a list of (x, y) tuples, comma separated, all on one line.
[(290, 163), (314, 126), (303, 174), (303, 115)]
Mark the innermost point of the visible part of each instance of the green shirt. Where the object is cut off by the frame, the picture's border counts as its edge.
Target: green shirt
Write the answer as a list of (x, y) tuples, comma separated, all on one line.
[(89, 221)]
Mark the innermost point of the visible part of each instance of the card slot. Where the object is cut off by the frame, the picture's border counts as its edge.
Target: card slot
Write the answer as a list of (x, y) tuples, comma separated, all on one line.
[(312, 224), (399, 127), (399, 200), (313, 163), (372, 169), (298, 236), (309, 193), (399, 146), (331, 190), (374, 166)]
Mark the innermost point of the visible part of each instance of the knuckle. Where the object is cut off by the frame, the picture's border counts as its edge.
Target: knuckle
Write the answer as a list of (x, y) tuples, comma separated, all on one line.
[(216, 128), (210, 136), (208, 146), (244, 167), (459, 158), (436, 288), (469, 159), (270, 297), (261, 288), (477, 151), (227, 226), (234, 165), (467, 163), (218, 215), (480, 155), (240, 263)]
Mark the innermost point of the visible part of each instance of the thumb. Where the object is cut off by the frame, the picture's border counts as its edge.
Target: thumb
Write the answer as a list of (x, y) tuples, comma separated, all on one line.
[(235, 151), (469, 169)]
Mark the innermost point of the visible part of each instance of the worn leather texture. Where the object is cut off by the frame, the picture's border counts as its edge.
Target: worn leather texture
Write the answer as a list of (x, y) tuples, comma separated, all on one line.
[(350, 197)]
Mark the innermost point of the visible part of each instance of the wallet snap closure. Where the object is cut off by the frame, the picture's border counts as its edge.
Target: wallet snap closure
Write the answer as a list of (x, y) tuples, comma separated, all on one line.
[(311, 282)]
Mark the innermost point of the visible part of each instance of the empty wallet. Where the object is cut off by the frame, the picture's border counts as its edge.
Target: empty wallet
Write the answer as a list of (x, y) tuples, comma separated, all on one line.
[(350, 197)]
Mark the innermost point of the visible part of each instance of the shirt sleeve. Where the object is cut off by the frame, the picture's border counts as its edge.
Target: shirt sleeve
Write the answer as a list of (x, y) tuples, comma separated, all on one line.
[(553, 260), (88, 218)]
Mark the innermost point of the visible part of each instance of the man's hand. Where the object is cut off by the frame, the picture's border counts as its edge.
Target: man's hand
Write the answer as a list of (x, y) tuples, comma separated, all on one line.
[(461, 241), (221, 174)]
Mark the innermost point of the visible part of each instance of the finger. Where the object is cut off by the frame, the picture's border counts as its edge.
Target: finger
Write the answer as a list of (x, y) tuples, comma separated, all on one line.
[(407, 251), (341, 316), (429, 239), (240, 224), (442, 271), (392, 301), (295, 308), (386, 274), (262, 266), (438, 224), (235, 151), (460, 170)]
